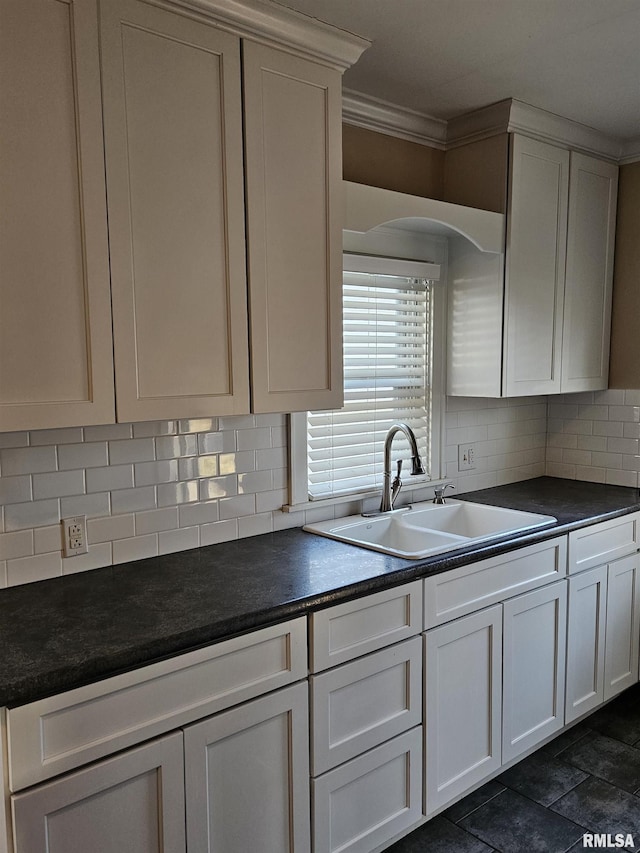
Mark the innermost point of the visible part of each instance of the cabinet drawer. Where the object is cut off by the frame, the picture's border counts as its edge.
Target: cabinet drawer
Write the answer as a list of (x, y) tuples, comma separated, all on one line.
[(456, 593), (600, 543), (363, 703), (59, 733), (349, 630), (368, 801)]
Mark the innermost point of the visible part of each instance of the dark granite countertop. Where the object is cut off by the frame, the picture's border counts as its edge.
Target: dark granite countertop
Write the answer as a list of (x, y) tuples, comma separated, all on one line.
[(59, 634)]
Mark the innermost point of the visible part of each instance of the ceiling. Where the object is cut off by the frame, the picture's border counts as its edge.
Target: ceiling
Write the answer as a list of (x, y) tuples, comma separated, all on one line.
[(442, 58)]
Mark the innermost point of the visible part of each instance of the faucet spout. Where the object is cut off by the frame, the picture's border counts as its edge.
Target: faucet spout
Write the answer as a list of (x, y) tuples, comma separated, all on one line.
[(386, 504)]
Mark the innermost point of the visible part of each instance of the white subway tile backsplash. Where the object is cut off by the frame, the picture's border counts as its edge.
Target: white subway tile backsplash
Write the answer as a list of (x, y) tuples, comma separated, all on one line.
[(155, 520), (108, 529), (47, 538), (254, 525), (109, 479), (236, 422), (17, 544), (622, 478), (133, 450), (255, 481), (608, 428), (27, 460), (183, 539), (58, 484), (37, 568), (276, 457), (96, 557), (15, 490), (198, 425), (137, 548), (219, 531), (172, 447), (172, 494), (217, 442), (218, 487), (34, 514), (237, 463), (151, 473), (270, 501), (90, 505), (202, 513), (131, 500), (3, 574), (237, 506), (108, 432), (90, 455), (258, 438), (198, 466), (623, 445), (14, 439), (153, 428), (68, 435)]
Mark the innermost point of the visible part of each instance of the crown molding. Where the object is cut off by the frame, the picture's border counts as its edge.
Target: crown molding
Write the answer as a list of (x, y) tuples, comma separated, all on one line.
[(383, 117), (509, 115), (274, 23)]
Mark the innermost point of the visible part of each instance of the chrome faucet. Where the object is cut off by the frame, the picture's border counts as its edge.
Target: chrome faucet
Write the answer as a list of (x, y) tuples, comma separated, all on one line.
[(389, 491)]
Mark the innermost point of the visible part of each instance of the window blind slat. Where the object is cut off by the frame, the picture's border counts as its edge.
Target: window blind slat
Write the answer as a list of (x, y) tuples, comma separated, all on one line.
[(387, 369)]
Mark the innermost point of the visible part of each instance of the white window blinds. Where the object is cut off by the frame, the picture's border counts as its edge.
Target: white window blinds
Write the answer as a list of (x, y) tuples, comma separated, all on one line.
[(387, 378)]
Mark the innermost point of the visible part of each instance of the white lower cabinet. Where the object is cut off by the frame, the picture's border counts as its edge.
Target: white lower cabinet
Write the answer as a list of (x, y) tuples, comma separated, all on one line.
[(494, 687), (463, 697), (131, 803), (533, 668), (368, 801), (247, 777), (603, 634)]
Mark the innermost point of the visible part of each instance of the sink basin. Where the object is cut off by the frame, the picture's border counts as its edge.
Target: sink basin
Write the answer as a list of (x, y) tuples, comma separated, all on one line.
[(428, 529)]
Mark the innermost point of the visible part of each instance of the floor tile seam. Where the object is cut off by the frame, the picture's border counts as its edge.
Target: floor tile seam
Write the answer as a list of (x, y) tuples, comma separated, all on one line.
[(548, 805), (468, 814)]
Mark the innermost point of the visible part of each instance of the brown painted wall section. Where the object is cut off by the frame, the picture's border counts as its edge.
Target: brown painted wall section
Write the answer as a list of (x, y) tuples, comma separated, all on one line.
[(624, 370), (391, 163)]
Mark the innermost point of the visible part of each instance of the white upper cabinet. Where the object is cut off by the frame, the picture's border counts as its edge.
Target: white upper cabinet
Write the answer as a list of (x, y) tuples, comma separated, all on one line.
[(180, 177), (173, 138), (293, 116), (55, 313), (593, 190), (535, 261), (555, 324)]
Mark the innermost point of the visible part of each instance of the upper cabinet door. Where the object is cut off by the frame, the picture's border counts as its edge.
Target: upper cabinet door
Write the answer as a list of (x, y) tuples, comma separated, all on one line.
[(173, 136), (55, 313), (536, 250), (593, 190), (294, 201)]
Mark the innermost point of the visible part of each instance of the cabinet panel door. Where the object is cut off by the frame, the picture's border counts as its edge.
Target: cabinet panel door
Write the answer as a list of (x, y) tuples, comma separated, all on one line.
[(173, 135), (247, 777), (585, 642), (56, 366), (535, 266), (534, 645), (593, 190), (134, 802), (623, 625), (363, 703), (293, 141), (463, 688), (363, 804)]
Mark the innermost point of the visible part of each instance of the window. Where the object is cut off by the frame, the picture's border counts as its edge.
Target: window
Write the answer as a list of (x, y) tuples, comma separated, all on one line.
[(392, 336)]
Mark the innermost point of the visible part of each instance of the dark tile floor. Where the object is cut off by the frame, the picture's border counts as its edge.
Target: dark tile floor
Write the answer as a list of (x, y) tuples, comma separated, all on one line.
[(585, 780)]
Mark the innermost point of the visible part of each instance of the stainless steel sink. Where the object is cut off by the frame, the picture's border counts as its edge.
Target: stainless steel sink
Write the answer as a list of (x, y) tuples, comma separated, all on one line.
[(428, 529)]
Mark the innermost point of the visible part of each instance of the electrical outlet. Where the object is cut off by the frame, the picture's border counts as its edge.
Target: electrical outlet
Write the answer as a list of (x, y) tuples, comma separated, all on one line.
[(466, 457), (74, 535)]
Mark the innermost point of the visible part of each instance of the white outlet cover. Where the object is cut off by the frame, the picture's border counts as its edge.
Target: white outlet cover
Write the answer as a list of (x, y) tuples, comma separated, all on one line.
[(74, 536)]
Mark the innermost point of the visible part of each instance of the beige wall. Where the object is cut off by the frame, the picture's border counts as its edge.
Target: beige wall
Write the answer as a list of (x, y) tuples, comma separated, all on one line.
[(391, 163), (624, 371), (476, 174)]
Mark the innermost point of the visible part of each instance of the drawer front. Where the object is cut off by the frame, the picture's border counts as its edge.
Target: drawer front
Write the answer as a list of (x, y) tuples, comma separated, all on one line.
[(53, 735), (461, 591), (347, 631), (363, 703), (368, 801), (601, 543)]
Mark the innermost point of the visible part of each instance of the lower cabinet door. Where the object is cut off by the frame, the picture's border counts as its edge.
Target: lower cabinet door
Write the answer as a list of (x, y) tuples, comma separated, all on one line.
[(585, 642), (366, 802), (463, 688), (623, 625), (247, 777), (132, 803), (533, 667)]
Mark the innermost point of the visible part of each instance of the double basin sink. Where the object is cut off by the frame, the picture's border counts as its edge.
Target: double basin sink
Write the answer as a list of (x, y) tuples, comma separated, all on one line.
[(428, 529)]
